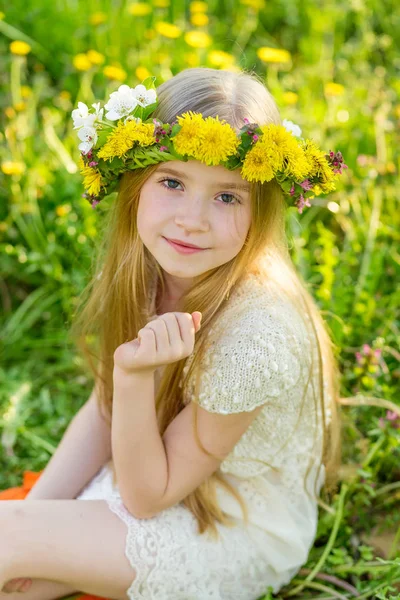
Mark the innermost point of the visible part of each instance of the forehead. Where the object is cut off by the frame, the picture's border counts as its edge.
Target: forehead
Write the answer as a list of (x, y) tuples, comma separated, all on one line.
[(195, 171)]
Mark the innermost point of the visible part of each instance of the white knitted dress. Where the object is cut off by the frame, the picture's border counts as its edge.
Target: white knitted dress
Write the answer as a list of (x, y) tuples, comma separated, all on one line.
[(258, 354)]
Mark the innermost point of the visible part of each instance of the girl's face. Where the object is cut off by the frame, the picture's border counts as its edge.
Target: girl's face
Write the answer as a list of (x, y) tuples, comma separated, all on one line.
[(197, 204)]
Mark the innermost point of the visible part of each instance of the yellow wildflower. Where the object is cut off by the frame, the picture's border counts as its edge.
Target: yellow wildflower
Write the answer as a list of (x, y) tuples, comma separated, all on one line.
[(113, 72), (10, 167), (219, 58), (198, 39), (124, 137), (333, 89), (63, 209), (168, 30), (161, 3), (273, 55), (98, 18), (198, 6), (199, 19), (218, 141), (255, 4), (20, 48), (187, 140), (20, 106), (9, 112), (65, 95), (26, 91), (139, 9), (91, 178), (192, 59), (285, 152), (290, 97), (95, 57), (142, 73), (256, 165), (319, 167), (81, 62)]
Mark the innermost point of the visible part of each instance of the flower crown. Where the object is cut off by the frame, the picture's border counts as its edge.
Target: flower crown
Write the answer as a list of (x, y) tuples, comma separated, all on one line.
[(136, 141)]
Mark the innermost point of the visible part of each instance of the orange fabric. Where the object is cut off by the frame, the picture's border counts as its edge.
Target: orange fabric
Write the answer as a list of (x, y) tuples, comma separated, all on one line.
[(19, 493)]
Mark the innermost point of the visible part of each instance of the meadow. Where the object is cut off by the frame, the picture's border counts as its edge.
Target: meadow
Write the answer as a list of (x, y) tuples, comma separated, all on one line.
[(333, 68)]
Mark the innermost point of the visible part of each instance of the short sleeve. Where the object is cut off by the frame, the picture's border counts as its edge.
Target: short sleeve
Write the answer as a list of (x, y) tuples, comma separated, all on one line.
[(254, 362)]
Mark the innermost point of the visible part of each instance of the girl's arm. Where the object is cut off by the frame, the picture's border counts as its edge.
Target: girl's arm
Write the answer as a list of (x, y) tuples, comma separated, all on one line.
[(83, 450)]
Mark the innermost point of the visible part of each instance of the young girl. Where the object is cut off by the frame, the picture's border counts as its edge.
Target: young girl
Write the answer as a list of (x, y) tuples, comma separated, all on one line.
[(204, 447)]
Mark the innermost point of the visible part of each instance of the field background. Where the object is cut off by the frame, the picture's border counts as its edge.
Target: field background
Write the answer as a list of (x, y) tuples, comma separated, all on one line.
[(333, 68)]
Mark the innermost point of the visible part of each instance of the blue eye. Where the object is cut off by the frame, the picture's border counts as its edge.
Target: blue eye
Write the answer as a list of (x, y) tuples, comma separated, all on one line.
[(167, 179)]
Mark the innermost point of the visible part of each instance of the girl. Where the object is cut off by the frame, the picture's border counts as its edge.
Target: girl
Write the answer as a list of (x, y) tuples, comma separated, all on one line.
[(204, 447)]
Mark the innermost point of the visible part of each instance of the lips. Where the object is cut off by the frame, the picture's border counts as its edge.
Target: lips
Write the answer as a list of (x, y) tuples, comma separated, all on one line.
[(185, 245)]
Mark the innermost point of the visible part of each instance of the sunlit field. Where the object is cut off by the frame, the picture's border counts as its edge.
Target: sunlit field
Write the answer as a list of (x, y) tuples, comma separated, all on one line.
[(333, 68)]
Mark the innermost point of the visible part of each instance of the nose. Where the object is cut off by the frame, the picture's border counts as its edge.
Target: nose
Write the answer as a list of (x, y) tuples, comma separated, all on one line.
[(192, 213)]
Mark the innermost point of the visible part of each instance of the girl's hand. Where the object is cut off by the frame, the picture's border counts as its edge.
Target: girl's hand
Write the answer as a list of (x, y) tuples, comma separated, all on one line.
[(164, 340), (21, 584)]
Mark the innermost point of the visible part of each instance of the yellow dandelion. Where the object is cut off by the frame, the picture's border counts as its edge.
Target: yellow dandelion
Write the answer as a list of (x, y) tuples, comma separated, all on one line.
[(96, 58), (273, 55), (63, 209), (20, 106), (20, 48), (91, 178), (198, 6), (81, 62), (256, 165), (65, 95), (218, 142), (290, 97), (192, 59), (98, 18), (333, 89), (187, 140), (113, 72), (9, 112), (219, 58), (161, 3), (198, 39), (124, 137), (142, 73), (10, 167), (26, 91), (255, 4), (319, 166), (168, 30), (199, 19), (139, 9)]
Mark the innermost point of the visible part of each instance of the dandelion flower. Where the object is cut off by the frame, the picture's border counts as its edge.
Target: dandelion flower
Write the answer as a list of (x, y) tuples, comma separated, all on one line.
[(20, 48), (124, 136)]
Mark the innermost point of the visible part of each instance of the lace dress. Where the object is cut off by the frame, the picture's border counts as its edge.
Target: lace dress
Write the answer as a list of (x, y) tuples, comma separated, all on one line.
[(258, 354)]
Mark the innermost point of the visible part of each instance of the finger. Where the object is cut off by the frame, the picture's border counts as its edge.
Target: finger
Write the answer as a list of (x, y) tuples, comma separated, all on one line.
[(175, 331), (26, 585), (188, 330)]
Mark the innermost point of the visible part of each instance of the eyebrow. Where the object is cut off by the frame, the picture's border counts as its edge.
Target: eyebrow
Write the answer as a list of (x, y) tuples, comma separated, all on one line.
[(226, 185)]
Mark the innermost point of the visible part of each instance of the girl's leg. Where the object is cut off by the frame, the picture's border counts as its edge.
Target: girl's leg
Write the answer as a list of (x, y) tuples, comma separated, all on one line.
[(41, 590), (80, 543)]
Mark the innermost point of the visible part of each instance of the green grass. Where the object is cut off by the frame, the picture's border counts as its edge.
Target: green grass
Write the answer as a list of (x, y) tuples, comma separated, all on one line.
[(346, 245)]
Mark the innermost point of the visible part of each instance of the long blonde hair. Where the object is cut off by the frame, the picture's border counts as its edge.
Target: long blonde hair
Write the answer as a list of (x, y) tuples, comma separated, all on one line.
[(115, 303)]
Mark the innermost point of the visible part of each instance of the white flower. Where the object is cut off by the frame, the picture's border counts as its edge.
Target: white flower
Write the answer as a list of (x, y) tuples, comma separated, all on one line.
[(124, 101), (121, 103), (88, 135), (83, 118), (143, 96), (292, 127)]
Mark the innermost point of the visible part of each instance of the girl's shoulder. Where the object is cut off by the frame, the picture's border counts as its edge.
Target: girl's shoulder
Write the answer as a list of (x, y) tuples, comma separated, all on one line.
[(256, 350)]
